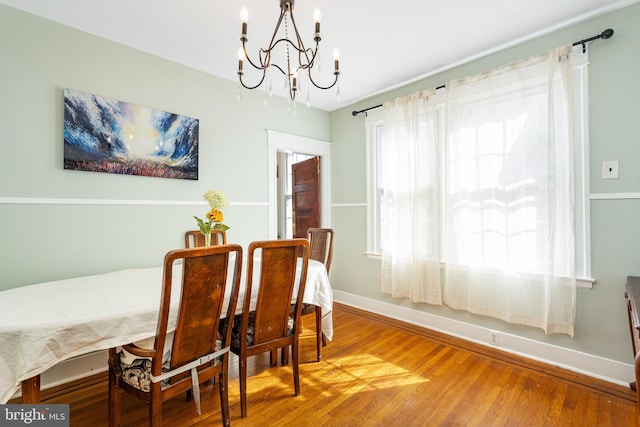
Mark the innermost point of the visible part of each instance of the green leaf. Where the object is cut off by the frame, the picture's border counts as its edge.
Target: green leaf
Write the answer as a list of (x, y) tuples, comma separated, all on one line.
[(205, 228)]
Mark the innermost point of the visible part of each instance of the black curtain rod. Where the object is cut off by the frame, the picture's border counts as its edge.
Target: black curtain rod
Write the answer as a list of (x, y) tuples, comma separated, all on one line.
[(608, 33)]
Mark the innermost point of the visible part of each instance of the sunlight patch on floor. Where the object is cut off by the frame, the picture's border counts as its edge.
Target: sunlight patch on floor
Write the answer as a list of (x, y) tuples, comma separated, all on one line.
[(361, 371)]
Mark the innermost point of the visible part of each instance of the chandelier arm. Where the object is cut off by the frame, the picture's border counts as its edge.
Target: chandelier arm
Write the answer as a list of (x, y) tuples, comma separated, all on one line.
[(275, 34), (266, 62), (306, 54), (301, 49), (264, 72), (286, 41), (298, 38), (336, 74), (280, 69), (264, 65), (268, 52)]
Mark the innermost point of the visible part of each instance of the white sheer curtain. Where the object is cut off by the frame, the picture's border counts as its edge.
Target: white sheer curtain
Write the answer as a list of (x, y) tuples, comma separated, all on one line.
[(410, 217), (509, 198)]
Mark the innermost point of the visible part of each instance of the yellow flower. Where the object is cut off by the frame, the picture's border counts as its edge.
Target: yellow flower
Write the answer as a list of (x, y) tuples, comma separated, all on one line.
[(215, 215)]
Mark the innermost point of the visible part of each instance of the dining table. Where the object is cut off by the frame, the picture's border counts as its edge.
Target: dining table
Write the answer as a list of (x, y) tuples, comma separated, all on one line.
[(44, 324)]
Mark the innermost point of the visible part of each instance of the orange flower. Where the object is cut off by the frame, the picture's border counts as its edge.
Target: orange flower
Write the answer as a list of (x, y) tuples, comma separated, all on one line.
[(215, 215)]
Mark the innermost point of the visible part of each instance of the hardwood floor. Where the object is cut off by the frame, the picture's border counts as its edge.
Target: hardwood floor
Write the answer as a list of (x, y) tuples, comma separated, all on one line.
[(385, 374)]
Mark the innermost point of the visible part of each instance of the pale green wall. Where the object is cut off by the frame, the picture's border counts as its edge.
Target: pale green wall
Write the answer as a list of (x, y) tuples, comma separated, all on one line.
[(38, 59), (601, 325)]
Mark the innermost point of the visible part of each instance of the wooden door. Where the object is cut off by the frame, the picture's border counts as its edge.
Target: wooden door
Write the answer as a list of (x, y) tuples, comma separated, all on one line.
[(305, 181)]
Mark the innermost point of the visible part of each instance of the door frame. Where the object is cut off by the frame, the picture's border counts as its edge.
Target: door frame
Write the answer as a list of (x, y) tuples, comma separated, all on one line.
[(279, 142)]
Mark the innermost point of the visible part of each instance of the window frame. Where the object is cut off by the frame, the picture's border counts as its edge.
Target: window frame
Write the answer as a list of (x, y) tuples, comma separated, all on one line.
[(373, 126)]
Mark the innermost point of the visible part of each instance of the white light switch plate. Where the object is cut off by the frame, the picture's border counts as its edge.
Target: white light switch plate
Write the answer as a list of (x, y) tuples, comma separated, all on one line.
[(610, 169)]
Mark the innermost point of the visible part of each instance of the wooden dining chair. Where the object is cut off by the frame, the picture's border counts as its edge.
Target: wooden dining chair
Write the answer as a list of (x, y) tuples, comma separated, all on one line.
[(270, 326), (197, 349), (195, 238), (320, 249)]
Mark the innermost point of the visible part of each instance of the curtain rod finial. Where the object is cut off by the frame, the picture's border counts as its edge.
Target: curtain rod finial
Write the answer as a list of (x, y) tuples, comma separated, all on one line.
[(608, 33)]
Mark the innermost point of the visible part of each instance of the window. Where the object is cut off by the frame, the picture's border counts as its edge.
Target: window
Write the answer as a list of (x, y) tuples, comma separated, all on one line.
[(375, 189), (467, 168)]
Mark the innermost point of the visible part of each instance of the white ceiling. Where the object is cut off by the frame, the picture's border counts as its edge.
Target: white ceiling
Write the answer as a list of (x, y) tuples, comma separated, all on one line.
[(383, 44)]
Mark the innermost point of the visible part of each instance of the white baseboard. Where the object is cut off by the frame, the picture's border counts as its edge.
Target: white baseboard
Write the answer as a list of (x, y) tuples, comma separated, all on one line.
[(583, 363), (73, 369)]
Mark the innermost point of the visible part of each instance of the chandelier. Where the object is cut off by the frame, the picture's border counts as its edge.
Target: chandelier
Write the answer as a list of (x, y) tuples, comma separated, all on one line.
[(297, 60)]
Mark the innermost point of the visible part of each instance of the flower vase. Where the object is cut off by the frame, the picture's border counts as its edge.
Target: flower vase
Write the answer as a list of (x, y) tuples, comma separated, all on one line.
[(207, 239)]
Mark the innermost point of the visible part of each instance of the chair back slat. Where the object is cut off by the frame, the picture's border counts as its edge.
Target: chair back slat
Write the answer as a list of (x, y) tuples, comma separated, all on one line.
[(277, 281), (195, 238), (205, 279), (321, 245), (203, 286), (279, 261)]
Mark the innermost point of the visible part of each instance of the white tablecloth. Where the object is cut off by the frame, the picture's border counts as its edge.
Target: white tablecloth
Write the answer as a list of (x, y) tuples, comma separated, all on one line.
[(44, 324)]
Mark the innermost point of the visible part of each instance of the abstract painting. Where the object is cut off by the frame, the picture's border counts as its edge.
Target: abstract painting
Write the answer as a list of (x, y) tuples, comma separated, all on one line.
[(105, 135)]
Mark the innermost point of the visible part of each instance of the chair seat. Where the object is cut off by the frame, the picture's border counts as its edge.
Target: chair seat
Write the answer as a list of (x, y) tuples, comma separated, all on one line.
[(237, 326), (136, 370)]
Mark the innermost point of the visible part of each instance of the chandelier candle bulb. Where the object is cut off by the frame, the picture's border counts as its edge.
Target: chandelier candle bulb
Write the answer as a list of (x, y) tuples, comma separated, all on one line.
[(316, 18), (244, 17)]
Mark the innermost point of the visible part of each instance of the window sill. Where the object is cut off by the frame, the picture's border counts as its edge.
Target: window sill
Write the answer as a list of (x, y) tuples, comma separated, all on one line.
[(581, 282)]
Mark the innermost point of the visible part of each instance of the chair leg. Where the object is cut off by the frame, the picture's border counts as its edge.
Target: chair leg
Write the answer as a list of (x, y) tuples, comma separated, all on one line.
[(296, 373), (155, 408), (223, 384), (114, 391), (243, 385), (319, 334)]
